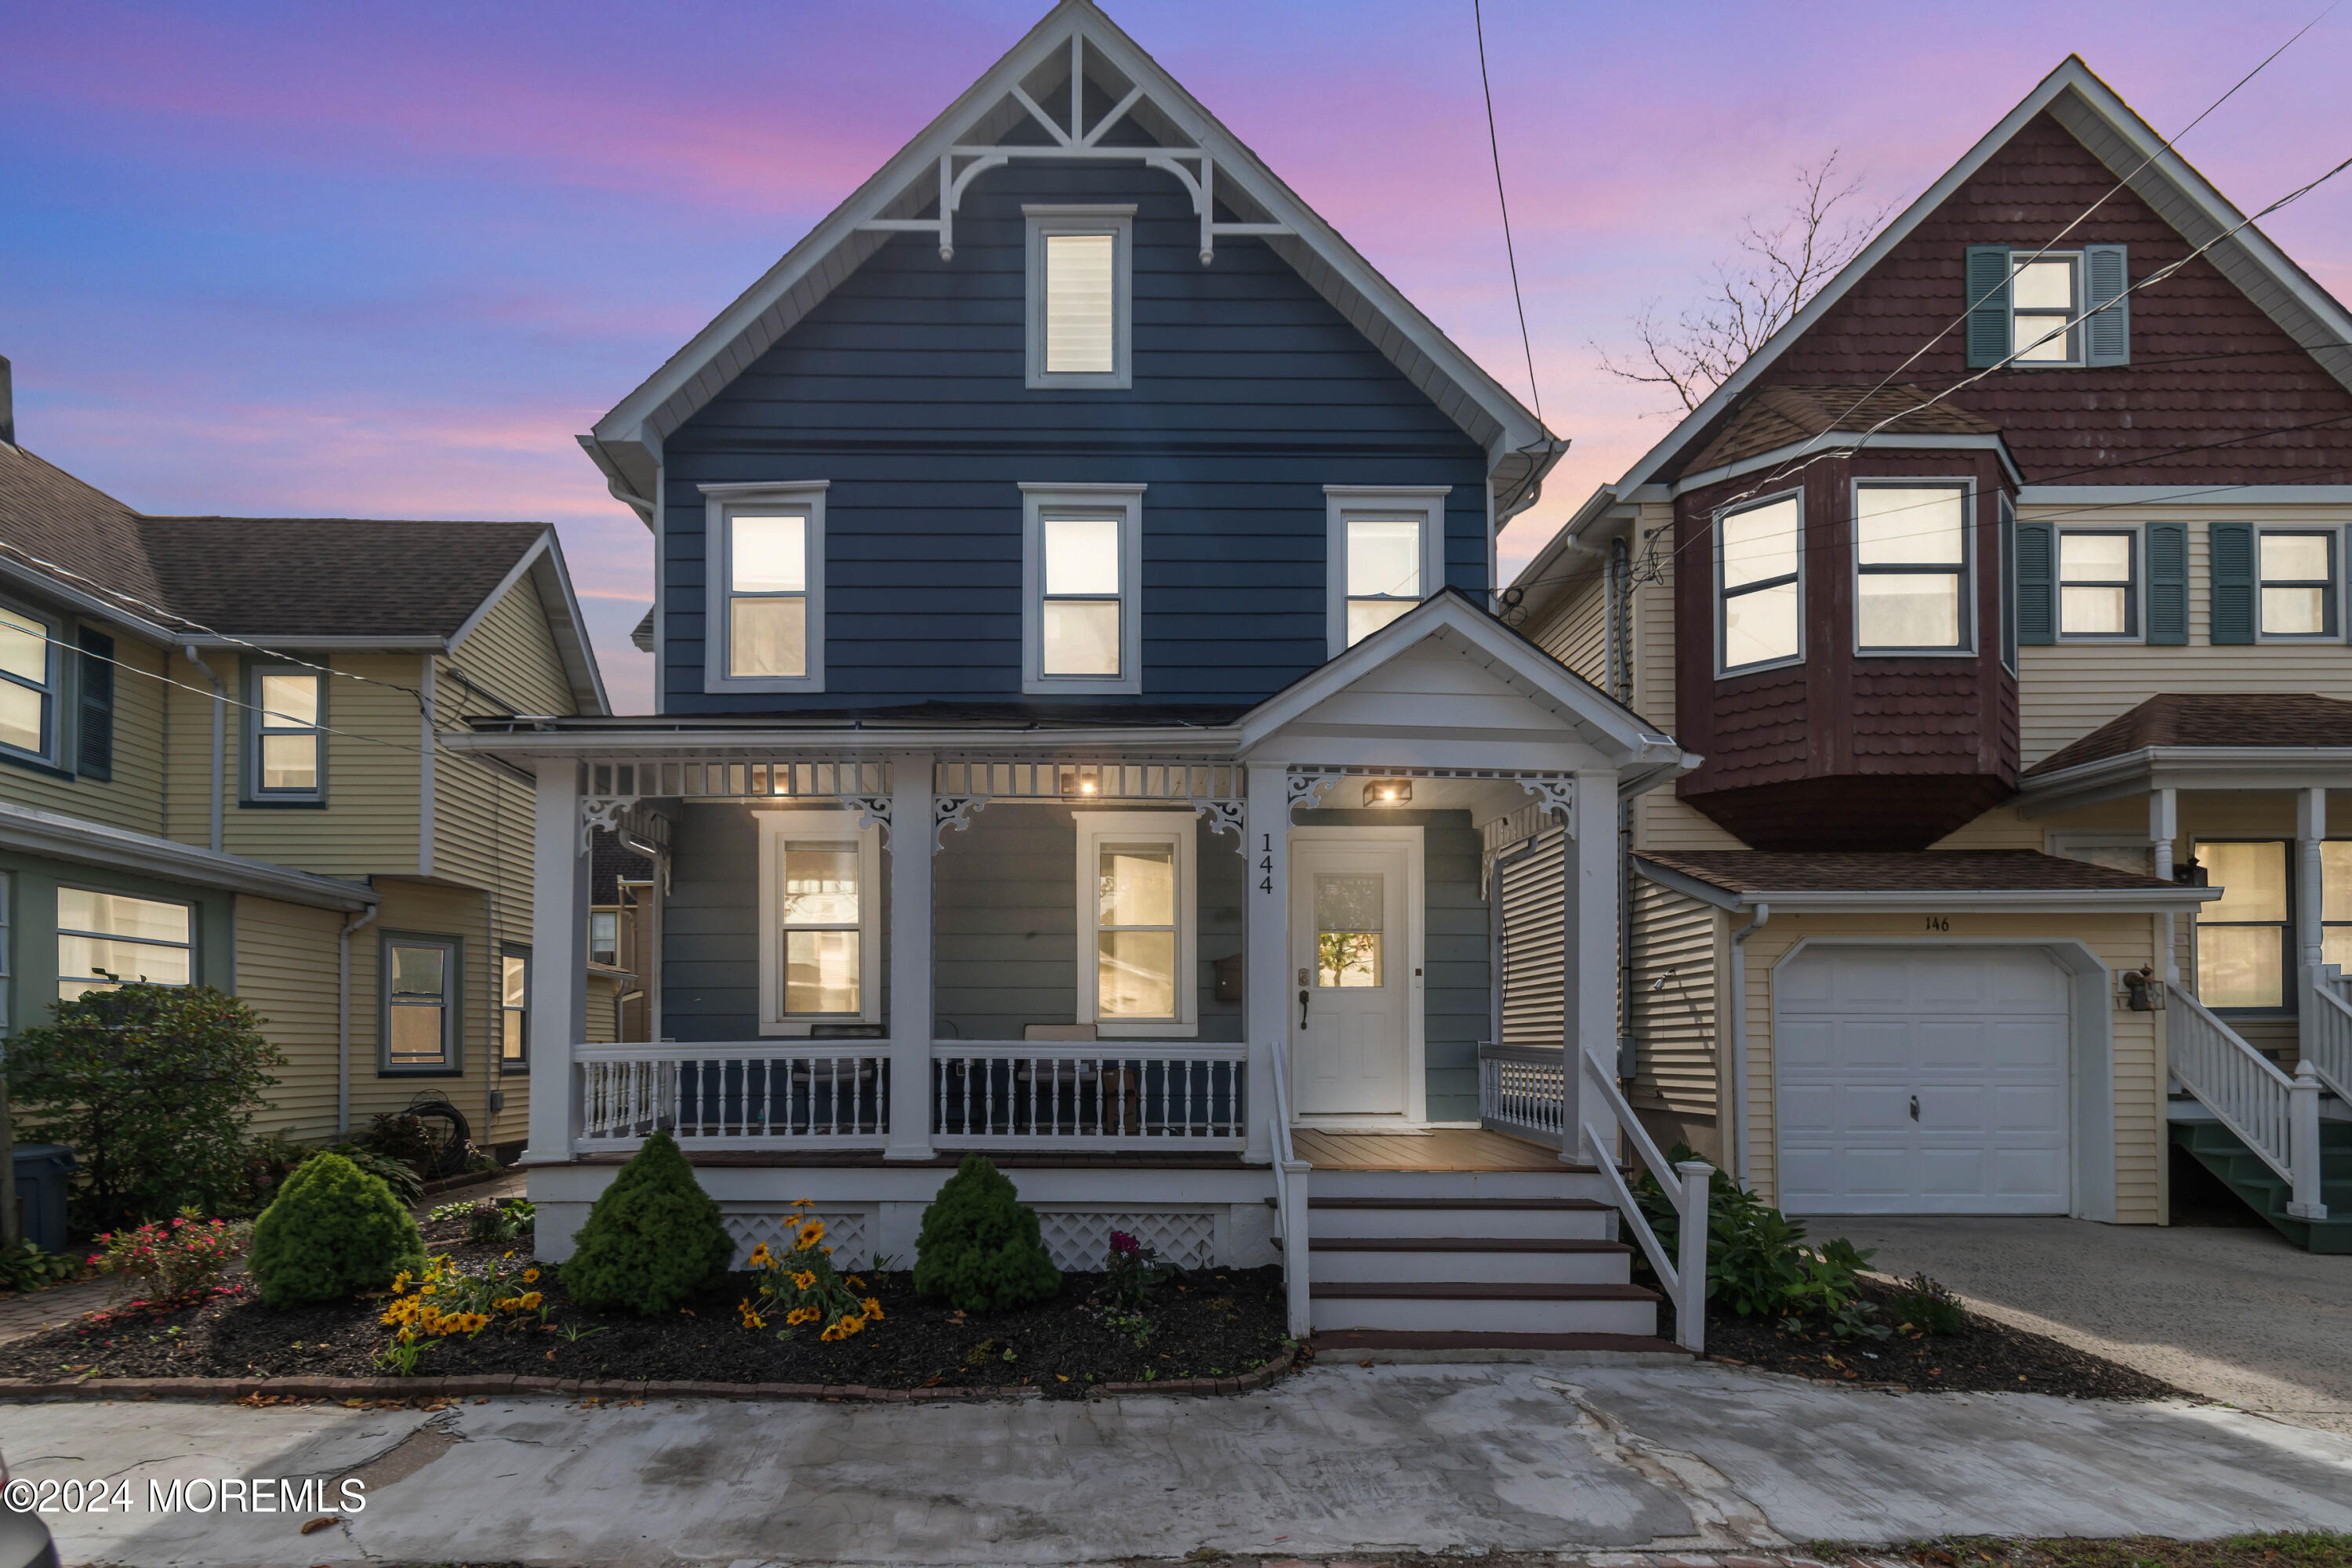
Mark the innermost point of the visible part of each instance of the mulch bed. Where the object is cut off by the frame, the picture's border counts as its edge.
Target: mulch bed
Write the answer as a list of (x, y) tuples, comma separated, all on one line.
[(1986, 1356), (1214, 1323)]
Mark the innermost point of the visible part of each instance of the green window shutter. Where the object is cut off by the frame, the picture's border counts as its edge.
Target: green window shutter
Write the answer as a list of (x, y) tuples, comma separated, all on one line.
[(2232, 547), (94, 727), (2037, 585), (2106, 336), (2168, 583), (1988, 328)]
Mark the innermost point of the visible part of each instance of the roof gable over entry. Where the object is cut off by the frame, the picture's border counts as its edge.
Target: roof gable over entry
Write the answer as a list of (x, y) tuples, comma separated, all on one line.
[(1076, 88)]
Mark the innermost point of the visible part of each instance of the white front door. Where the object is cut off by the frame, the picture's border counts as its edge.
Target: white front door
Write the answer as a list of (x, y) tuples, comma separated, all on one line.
[(1354, 964), (1923, 1080)]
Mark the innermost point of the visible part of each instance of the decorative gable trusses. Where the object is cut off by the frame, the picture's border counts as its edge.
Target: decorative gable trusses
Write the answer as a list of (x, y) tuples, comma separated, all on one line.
[(1075, 88), (2091, 111)]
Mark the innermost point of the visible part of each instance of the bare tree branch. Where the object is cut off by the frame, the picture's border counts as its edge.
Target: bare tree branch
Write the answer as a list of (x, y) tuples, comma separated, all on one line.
[(1754, 294)]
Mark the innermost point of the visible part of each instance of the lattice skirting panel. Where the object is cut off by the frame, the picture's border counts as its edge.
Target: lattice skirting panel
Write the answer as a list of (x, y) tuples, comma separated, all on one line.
[(851, 1233), (1079, 1238)]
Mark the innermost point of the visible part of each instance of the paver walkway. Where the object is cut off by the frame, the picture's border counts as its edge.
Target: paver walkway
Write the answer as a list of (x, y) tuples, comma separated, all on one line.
[(2232, 1314), (1337, 1462)]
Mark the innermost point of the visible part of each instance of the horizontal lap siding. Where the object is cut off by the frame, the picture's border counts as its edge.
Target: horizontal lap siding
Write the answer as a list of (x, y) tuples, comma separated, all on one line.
[(904, 388), (512, 651), (1578, 634), (1674, 1000), (1660, 820), (1529, 893), (286, 973)]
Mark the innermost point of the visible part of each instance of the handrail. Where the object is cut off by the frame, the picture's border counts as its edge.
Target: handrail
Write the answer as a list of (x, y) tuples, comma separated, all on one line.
[(2236, 1082), (1686, 1278), (1290, 1212), (2331, 1043)]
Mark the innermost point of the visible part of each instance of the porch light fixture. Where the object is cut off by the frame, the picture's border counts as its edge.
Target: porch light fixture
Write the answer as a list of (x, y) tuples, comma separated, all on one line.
[(1388, 792), (1079, 783)]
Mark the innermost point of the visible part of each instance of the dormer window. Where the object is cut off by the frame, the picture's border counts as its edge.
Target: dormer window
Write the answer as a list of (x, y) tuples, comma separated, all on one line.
[(1081, 623), (764, 626), (1080, 261)]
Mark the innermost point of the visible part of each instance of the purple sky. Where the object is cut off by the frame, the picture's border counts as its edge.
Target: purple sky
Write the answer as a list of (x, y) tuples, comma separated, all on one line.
[(387, 260)]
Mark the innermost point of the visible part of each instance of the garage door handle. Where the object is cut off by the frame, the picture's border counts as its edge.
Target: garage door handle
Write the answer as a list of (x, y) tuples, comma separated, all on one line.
[(1915, 1108)]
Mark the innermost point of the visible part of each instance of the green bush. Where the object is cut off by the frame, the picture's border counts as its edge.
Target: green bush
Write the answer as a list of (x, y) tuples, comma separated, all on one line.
[(333, 1231), (402, 1178), (153, 1086), (1757, 1263), (1920, 1303), (653, 1241), (979, 1247)]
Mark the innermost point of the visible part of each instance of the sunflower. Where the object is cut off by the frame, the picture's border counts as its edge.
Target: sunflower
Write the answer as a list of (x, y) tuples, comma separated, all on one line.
[(805, 1280), (529, 1275), (873, 1309), (803, 1315)]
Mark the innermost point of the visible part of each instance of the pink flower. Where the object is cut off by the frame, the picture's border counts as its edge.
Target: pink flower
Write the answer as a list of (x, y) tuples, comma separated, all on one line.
[(1121, 1242)]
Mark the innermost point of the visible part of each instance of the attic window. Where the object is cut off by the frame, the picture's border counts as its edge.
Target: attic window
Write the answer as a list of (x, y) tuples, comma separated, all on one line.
[(1080, 259), (2048, 310)]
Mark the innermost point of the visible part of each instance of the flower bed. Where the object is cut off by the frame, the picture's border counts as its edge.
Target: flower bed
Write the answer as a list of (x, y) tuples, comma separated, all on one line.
[(1219, 1324)]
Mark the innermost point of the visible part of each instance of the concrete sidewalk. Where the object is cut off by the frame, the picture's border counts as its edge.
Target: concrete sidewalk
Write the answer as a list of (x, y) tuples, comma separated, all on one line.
[(2237, 1315), (1337, 1461)]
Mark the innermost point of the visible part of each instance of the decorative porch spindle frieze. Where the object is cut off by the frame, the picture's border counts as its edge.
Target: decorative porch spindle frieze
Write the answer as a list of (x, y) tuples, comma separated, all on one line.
[(1214, 790), (616, 787)]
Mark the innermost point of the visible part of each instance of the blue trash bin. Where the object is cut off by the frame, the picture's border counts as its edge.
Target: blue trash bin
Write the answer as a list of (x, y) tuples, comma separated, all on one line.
[(43, 1171)]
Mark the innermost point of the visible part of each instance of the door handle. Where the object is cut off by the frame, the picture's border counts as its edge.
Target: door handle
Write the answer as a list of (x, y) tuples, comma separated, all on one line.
[(1302, 1009), (1915, 1108)]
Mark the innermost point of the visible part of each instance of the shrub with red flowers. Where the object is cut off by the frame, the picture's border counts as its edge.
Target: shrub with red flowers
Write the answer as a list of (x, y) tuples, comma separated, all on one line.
[(1133, 1270), (174, 1260)]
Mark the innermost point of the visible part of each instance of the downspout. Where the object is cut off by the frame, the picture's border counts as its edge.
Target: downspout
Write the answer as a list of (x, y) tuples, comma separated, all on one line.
[(1616, 624), (351, 922), (1736, 1102), (220, 722)]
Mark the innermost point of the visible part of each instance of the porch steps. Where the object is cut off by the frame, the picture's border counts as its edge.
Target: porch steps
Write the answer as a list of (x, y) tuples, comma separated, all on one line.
[(1487, 1307), (1517, 1261), (2265, 1192)]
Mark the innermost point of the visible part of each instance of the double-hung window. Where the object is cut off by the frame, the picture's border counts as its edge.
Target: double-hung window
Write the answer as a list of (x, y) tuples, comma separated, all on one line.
[(2242, 949), (28, 685), (1759, 582), (419, 1025), (764, 604), (1912, 573), (1387, 553), (819, 920), (1080, 310), (2098, 583), (1081, 630), (2335, 903), (1137, 881), (514, 1010), (2046, 298), (604, 937), (2297, 571), (286, 760), (107, 939)]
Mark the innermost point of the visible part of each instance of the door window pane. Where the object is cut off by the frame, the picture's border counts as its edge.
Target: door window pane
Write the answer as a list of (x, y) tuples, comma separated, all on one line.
[(821, 971), (1081, 303), (1349, 910)]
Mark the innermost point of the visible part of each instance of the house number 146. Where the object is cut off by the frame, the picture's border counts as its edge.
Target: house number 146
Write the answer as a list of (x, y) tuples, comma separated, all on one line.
[(1939, 923)]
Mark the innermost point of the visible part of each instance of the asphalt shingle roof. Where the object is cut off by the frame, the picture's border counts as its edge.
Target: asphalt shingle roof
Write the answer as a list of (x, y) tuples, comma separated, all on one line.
[(1926, 870), (1782, 416), (2211, 719)]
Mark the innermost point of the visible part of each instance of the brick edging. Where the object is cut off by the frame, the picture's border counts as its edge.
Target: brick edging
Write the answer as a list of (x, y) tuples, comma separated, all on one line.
[(495, 1384)]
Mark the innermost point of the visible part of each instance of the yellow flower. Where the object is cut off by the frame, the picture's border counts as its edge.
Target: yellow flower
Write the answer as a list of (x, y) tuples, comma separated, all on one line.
[(759, 1258), (855, 1283), (851, 1325), (803, 1202), (811, 1233), (805, 1280), (803, 1315), (531, 1300), (873, 1309), (426, 1289), (399, 1282), (529, 1275), (838, 1331)]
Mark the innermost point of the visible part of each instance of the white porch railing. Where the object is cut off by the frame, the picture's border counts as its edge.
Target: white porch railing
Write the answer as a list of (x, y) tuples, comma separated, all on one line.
[(1523, 1089), (1023, 1094), (1290, 1224), (2331, 1033), (1685, 1277), (758, 1094), (2275, 1116)]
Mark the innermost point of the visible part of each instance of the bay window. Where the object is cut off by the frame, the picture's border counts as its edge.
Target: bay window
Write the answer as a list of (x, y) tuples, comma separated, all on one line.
[(1080, 261), (1386, 553), (2243, 947), (2296, 568), (1137, 885), (1760, 579), (1912, 568), (419, 1016), (28, 685), (1081, 627), (765, 602), (820, 877), (107, 939)]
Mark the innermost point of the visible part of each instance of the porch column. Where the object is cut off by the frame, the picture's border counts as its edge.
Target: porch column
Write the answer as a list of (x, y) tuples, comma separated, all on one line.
[(1588, 950), (913, 841), (559, 940), (2163, 827), (1267, 988), (2310, 832)]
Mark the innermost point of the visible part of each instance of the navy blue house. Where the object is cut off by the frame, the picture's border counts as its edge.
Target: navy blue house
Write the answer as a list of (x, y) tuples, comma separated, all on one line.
[(1083, 735)]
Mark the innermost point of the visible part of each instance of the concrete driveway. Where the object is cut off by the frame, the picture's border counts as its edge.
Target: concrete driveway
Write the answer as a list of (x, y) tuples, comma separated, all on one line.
[(1337, 1461), (2235, 1314)]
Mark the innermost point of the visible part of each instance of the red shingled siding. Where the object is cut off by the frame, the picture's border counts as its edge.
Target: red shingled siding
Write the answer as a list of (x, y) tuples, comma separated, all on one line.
[(2061, 421)]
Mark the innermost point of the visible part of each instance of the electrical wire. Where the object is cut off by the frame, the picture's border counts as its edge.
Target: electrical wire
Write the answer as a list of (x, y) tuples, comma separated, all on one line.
[(1510, 253)]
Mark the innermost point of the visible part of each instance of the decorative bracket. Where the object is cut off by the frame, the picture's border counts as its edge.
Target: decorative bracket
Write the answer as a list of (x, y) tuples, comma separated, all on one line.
[(873, 811), (1306, 791), (603, 812), (1554, 796), (1226, 814), (954, 811)]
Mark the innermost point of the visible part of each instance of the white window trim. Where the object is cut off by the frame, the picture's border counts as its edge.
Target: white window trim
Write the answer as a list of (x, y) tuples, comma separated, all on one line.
[(1037, 500), (1723, 669), (2334, 535), (2078, 324), (252, 794), (840, 826), (507, 1064), (52, 754), (1342, 503), (1971, 613), (1118, 221), (720, 504), (1180, 828), (2137, 594), (453, 992)]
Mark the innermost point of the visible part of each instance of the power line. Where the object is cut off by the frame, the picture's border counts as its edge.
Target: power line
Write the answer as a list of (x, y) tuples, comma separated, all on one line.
[(1495, 147)]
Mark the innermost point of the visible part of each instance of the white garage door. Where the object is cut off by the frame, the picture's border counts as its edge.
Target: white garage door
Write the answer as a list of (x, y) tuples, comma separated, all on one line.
[(1921, 1080)]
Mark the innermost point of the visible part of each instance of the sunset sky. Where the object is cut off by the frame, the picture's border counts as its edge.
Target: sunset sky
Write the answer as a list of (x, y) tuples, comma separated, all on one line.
[(386, 260)]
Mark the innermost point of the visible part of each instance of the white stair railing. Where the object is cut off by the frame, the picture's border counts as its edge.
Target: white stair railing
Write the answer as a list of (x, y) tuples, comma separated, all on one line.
[(2331, 1033), (1684, 1278), (1523, 1089), (1290, 1212), (2275, 1116)]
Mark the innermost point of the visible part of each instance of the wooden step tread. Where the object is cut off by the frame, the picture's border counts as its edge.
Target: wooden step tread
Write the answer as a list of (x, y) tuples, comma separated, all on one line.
[(1520, 1206), (1343, 1342), (1424, 1290), (1460, 1244)]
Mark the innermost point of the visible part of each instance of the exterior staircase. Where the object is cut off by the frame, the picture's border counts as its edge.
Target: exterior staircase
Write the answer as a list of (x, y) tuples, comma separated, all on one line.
[(2222, 1151), (1527, 1258)]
